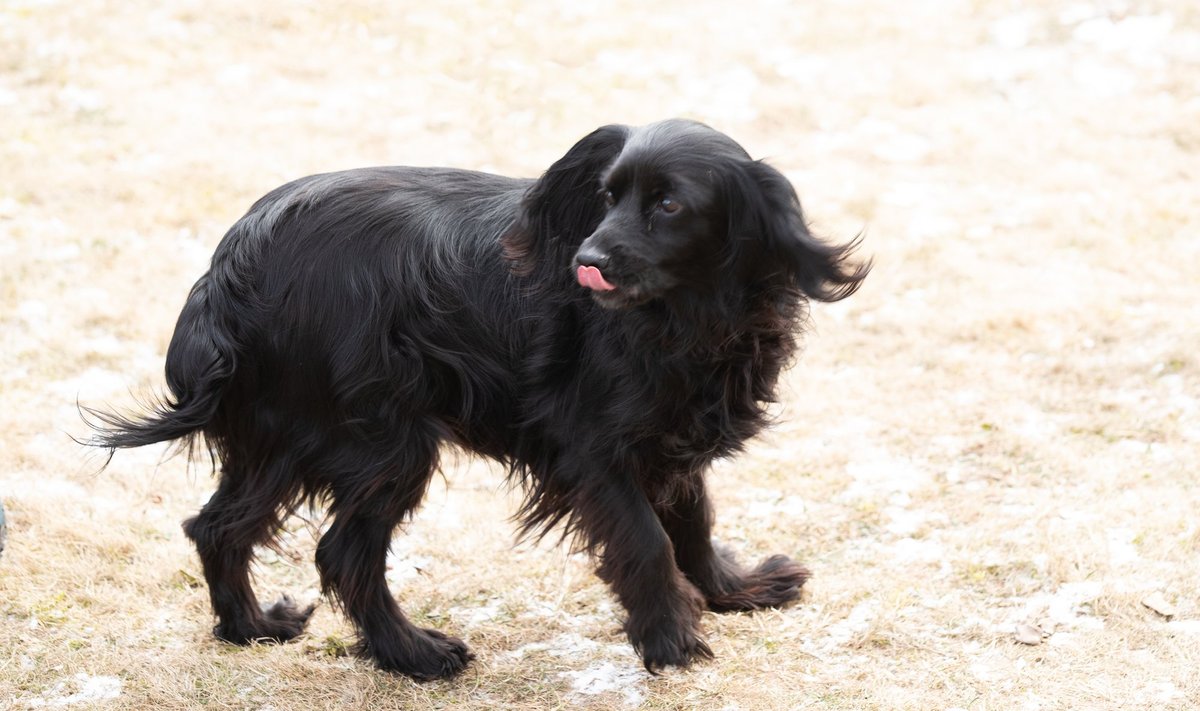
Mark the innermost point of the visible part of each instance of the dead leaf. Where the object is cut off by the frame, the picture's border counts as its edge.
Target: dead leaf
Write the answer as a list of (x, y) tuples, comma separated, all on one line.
[(1157, 602), (188, 579), (1027, 634)]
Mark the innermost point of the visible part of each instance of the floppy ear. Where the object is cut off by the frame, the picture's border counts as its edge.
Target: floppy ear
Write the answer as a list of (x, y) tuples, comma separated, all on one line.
[(764, 209), (564, 206)]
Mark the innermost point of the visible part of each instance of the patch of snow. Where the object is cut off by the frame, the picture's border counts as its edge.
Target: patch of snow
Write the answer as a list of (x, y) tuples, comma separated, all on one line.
[(606, 677), (1138, 34), (800, 68), (918, 550), (1076, 515), (32, 312), (621, 676), (1103, 79), (563, 645), (929, 226), (902, 521), (106, 345), (60, 253), (1159, 453), (1191, 627), (1032, 423), (91, 384), (48, 488), (1121, 548), (879, 474), (1014, 31), (902, 148), (79, 99), (986, 669), (1063, 639), (89, 690), (1076, 13), (540, 609), (407, 568), (892, 143), (471, 616), (1163, 692), (854, 626), (768, 503), (728, 92), (1065, 609), (236, 75)]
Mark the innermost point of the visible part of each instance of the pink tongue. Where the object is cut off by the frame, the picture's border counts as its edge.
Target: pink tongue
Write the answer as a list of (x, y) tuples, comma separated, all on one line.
[(592, 279)]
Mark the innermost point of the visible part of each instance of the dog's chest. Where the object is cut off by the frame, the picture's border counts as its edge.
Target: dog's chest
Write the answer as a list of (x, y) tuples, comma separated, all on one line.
[(712, 411)]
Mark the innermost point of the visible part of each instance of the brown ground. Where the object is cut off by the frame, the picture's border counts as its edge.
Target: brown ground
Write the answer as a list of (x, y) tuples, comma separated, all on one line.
[(999, 433)]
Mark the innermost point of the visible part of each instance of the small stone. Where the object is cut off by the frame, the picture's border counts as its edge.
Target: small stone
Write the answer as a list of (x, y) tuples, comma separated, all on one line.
[(1157, 602), (1027, 634)]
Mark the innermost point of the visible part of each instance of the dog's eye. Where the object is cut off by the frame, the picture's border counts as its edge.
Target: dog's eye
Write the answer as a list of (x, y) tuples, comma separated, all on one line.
[(609, 198), (669, 205)]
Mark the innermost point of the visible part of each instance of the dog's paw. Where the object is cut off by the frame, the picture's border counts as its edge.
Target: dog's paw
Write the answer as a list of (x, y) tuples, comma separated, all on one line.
[(426, 655), (281, 622), (675, 647), (669, 635), (775, 582), (284, 620)]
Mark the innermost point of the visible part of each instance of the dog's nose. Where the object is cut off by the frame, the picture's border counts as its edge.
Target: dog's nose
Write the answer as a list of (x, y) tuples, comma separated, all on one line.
[(589, 256)]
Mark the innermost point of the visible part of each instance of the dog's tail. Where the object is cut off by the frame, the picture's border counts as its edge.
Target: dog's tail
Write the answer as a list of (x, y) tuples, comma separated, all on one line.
[(200, 363)]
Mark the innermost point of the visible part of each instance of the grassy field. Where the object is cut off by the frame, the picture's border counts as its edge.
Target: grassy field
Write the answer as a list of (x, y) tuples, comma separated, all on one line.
[(988, 457)]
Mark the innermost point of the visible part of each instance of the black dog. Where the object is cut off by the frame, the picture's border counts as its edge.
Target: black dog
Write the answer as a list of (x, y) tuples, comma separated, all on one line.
[(605, 331)]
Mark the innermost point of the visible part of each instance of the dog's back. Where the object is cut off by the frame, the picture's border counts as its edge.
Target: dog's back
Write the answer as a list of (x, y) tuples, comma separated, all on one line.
[(354, 267), (315, 298)]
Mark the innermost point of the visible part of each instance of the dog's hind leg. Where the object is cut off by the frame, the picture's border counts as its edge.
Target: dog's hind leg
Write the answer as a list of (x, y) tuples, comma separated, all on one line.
[(244, 512), (375, 489), (726, 586)]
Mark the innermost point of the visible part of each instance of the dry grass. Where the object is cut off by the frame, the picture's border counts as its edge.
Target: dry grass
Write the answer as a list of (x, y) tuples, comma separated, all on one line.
[(1002, 428)]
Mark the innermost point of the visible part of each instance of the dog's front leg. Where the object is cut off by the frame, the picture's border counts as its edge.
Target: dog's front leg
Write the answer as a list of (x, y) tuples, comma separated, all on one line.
[(637, 561)]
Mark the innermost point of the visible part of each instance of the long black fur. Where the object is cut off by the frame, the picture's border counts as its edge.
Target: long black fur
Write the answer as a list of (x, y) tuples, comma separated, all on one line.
[(352, 323)]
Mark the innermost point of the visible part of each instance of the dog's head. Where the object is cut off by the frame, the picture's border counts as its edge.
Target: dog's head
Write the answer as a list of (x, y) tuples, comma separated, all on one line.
[(676, 207)]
